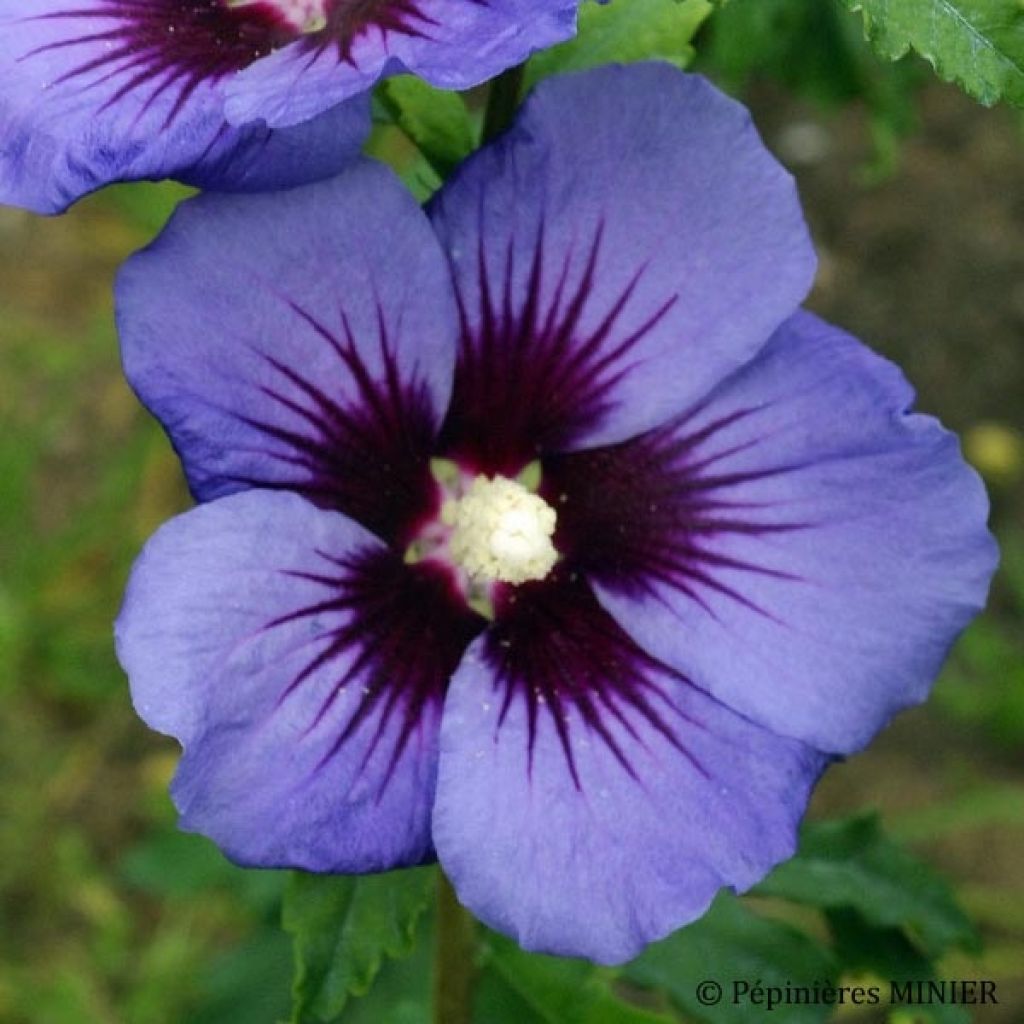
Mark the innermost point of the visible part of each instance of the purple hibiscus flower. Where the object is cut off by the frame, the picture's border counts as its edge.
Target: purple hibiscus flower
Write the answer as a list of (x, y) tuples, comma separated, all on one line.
[(541, 533), (238, 95)]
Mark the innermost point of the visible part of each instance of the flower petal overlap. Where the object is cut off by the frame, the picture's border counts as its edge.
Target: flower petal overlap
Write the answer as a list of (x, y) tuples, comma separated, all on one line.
[(454, 44), (762, 554), (225, 95)]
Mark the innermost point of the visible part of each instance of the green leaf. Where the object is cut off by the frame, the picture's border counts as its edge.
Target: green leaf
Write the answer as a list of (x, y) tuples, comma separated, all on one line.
[(497, 1002), (343, 929), (851, 863), (146, 204), (176, 864), (401, 992), (246, 984), (886, 953), (815, 50), (436, 121), (731, 946), (179, 864), (977, 43), (624, 31), (556, 990), (802, 44)]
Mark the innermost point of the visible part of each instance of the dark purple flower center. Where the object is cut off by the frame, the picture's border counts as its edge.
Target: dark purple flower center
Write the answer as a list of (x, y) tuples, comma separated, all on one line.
[(555, 649), (347, 20), (409, 631), (368, 458), (172, 47), (530, 379), (652, 511)]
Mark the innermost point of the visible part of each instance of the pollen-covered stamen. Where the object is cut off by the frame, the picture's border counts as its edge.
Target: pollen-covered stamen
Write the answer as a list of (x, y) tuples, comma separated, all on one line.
[(305, 16), (501, 532)]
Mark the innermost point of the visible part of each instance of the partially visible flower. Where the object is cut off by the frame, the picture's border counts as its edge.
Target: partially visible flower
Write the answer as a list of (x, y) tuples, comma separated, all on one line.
[(238, 95), (566, 550)]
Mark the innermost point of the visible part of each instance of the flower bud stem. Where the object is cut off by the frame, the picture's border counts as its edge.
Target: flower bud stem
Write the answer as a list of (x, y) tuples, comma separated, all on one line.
[(454, 958), (502, 101)]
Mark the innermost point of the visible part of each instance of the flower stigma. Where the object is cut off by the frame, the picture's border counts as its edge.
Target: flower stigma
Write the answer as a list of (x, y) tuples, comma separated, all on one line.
[(486, 531), (501, 532), (305, 16)]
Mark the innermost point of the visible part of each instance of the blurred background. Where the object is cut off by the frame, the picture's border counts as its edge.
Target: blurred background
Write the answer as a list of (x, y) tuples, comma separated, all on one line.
[(108, 915)]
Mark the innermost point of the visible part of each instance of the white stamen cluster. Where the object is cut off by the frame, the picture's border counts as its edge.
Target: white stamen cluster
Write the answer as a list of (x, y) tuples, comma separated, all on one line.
[(501, 532), (303, 15)]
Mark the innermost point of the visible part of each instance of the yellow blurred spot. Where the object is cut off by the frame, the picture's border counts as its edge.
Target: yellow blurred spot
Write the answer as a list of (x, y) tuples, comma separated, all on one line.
[(857, 979), (161, 491), (117, 405), (158, 769), (996, 451), (72, 587), (97, 902)]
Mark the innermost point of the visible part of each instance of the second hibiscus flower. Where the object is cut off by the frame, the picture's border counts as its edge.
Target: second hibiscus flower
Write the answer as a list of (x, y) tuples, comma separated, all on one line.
[(541, 533), (234, 95)]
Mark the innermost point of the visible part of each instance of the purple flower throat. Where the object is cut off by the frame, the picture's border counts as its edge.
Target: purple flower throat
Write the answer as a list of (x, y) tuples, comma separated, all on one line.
[(179, 44), (485, 521)]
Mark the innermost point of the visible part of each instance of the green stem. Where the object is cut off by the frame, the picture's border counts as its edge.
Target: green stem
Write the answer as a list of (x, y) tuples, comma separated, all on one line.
[(454, 955), (502, 101)]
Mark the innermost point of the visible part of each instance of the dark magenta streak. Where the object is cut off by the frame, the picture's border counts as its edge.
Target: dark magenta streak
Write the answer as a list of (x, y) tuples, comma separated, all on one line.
[(402, 629), (528, 381), (555, 648)]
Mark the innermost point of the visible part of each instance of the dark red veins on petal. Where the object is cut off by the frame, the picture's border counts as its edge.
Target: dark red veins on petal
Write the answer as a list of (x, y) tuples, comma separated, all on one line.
[(530, 378), (159, 47), (405, 632), (347, 20), (366, 455), (171, 47), (654, 510), (556, 650)]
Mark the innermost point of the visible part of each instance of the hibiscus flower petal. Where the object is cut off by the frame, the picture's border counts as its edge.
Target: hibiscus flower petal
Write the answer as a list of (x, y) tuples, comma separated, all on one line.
[(453, 44), (626, 245), (273, 338), (97, 91), (302, 665), (590, 800), (799, 544)]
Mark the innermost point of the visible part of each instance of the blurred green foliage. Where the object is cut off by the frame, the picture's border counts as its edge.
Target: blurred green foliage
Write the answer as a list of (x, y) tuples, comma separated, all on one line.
[(108, 913), (818, 52), (639, 30), (984, 684)]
